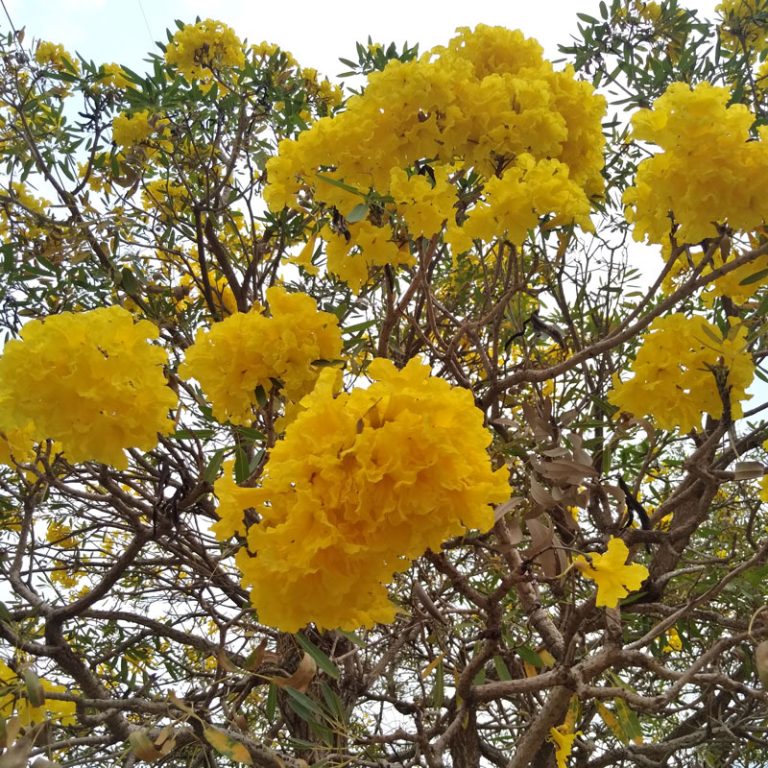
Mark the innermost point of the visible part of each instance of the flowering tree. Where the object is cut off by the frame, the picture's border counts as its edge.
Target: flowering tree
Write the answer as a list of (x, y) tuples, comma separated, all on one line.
[(417, 424)]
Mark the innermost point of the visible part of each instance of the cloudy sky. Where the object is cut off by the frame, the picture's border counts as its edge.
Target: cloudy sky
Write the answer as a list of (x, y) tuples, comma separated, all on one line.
[(316, 32)]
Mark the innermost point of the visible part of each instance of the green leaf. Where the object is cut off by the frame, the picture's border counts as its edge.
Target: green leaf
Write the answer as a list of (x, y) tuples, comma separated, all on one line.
[(129, 282), (193, 434), (35, 692), (321, 659), (339, 184), (352, 637), (214, 465), (438, 692), (529, 656), (502, 671), (628, 720), (333, 703), (271, 702), (754, 277), (261, 396), (358, 213), (241, 465), (249, 433), (306, 708)]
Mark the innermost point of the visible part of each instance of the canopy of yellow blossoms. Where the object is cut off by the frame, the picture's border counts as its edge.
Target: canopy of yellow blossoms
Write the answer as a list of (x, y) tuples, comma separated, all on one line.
[(361, 484), (90, 381), (486, 106)]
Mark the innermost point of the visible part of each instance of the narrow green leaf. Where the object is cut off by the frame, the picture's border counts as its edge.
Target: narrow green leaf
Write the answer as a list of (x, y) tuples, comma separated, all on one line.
[(529, 656), (129, 282), (438, 692), (352, 637), (193, 434), (249, 433), (754, 277), (321, 659), (340, 184), (241, 465), (271, 701), (214, 465), (358, 213), (333, 703), (502, 671), (307, 709)]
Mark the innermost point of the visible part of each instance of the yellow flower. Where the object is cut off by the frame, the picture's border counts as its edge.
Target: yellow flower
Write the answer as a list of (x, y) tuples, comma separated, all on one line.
[(743, 25), (360, 485), (563, 739), (674, 641), (487, 104), (89, 380), (614, 578), (128, 130), (202, 48), (675, 372), (708, 172), (114, 76), (55, 56), (60, 535), (247, 351), (14, 700)]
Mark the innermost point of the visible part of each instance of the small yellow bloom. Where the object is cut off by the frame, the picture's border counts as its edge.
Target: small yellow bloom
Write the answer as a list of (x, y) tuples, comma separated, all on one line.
[(614, 578), (562, 737), (674, 641)]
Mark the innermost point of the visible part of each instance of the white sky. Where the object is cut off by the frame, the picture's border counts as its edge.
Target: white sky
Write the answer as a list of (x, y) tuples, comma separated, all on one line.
[(317, 32)]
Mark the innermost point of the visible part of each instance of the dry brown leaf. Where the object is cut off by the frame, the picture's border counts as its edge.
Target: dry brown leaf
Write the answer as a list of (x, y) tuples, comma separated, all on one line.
[(301, 678), (540, 494)]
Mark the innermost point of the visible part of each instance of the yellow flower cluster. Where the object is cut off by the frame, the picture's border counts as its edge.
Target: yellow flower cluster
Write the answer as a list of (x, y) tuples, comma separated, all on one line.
[(199, 49), (129, 130), (676, 372), (113, 76), (165, 197), (17, 445), (26, 211), (739, 285), (488, 103), (53, 55), (60, 535), (708, 172), (89, 380), (249, 350), (743, 26), (17, 703), (361, 484), (15, 700)]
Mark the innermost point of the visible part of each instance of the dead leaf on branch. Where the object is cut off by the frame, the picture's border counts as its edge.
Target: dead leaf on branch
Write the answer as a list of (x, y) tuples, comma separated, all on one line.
[(546, 547), (301, 678)]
